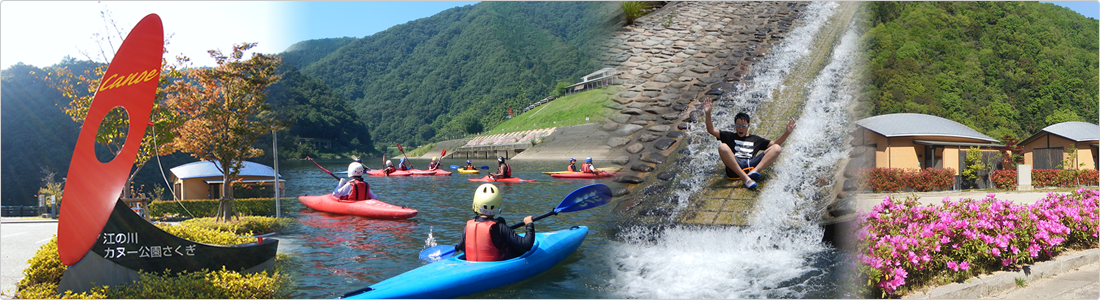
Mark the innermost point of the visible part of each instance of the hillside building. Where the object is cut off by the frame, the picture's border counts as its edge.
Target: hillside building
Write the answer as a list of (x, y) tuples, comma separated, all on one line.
[(917, 141), (202, 180), (1047, 148)]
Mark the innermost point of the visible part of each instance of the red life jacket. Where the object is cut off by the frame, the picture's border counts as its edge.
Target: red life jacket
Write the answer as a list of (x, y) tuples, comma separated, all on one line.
[(585, 167), (469, 167), (479, 242), (507, 171), (571, 168), (358, 191)]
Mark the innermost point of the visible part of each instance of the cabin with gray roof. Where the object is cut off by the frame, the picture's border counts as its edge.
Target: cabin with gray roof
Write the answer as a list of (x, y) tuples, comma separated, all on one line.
[(918, 141), (1047, 148), (202, 180)]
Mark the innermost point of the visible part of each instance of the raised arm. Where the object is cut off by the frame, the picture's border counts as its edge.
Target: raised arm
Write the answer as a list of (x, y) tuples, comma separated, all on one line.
[(707, 105), (783, 138)]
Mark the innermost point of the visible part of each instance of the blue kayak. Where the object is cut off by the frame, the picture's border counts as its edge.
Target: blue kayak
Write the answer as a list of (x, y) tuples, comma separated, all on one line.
[(455, 277)]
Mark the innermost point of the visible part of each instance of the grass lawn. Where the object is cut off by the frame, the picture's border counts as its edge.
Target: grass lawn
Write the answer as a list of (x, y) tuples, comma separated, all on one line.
[(579, 108)]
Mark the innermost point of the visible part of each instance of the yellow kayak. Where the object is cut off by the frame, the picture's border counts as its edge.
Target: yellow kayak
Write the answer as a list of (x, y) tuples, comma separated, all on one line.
[(464, 171)]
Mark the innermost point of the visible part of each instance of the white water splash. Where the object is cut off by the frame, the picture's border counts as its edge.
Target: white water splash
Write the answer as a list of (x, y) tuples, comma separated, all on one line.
[(778, 255)]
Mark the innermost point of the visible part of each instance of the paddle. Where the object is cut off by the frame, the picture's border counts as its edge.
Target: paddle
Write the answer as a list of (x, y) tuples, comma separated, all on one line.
[(322, 168), (454, 167), (581, 199), (402, 151), (484, 167)]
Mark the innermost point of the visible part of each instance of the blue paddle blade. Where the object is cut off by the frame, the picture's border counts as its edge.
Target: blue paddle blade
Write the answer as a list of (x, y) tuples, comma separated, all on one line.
[(437, 253), (454, 166), (584, 198), (484, 167), (340, 173)]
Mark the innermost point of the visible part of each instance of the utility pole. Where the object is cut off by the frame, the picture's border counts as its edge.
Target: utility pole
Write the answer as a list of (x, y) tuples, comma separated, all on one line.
[(275, 153)]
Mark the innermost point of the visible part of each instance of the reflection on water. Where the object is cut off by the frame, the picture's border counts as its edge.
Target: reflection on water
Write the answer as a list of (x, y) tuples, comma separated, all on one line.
[(335, 253)]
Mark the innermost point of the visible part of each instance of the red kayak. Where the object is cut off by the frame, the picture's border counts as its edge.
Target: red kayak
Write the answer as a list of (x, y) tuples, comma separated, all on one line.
[(436, 172), (583, 175), (371, 208), (383, 173), (512, 179)]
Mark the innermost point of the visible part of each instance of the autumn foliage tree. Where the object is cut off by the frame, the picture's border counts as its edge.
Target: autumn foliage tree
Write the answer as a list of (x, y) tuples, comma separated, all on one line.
[(225, 113), (80, 88)]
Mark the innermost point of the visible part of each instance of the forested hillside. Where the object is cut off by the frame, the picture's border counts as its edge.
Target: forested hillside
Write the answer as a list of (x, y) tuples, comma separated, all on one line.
[(315, 112), (999, 67), (307, 52), (461, 70), (37, 135)]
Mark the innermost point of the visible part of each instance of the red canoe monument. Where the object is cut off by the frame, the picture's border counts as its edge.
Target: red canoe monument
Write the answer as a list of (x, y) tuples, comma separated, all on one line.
[(98, 236)]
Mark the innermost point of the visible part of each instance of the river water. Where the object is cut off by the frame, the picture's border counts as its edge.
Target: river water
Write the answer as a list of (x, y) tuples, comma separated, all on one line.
[(335, 254), (779, 255)]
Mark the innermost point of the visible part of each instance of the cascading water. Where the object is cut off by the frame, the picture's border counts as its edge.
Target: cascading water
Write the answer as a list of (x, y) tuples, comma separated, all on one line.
[(780, 254)]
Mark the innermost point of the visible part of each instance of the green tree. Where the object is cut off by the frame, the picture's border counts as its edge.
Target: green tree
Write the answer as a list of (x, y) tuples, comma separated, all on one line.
[(225, 113), (80, 89), (974, 164)]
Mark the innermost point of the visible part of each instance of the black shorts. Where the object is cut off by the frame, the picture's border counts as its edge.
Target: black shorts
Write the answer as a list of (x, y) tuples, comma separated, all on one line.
[(745, 163)]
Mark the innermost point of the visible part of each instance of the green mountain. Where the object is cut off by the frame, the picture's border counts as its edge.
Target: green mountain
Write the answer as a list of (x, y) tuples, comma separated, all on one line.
[(37, 134), (315, 114), (998, 67), (459, 71), (310, 51)]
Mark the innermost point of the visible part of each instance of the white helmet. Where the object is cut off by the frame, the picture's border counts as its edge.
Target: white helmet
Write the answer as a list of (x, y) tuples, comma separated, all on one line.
[(487, 200), (355, 169), (389, 163)]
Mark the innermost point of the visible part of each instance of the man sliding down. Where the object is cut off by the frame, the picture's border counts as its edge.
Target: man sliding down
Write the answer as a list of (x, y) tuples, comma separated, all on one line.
[(739, 148)]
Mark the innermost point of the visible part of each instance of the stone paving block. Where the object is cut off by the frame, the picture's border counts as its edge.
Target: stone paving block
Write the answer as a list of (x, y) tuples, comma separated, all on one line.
[(711, 204), (716, 193), (738, 205), (731, 218), (701, 217)]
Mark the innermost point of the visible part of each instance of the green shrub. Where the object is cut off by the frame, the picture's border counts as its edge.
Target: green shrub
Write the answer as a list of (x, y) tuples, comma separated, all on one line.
[(207, 235), (41, 278), (207, 207), (247, 225), (632, 10)]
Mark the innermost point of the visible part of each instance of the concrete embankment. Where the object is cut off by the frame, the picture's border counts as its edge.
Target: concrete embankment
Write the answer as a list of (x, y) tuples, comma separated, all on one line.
[(578, 141)]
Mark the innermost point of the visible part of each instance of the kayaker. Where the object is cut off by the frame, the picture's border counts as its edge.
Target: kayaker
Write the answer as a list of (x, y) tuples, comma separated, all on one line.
[(489, 239), (434, 165), (358, 160), (503, 170), (739, 149), (587, 166), (403, 166), (357, 189), (470, 166), (389, 168), (572, 165)]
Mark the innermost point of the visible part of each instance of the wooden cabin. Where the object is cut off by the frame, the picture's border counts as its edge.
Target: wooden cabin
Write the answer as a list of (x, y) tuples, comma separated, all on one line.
[(1047, 148), (917, 141), (202, 180)]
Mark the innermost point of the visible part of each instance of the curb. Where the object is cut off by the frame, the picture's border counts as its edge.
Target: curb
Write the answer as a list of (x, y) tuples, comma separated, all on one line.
[(1005, 281), (14, 221)]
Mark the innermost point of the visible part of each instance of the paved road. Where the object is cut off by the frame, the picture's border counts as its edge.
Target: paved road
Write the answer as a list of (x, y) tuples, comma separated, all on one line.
[(1081, 283), (18, 242), (866, 202)]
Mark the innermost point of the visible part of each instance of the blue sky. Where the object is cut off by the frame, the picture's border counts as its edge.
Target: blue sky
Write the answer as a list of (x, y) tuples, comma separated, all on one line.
[(41, 33), (1089, 9)]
